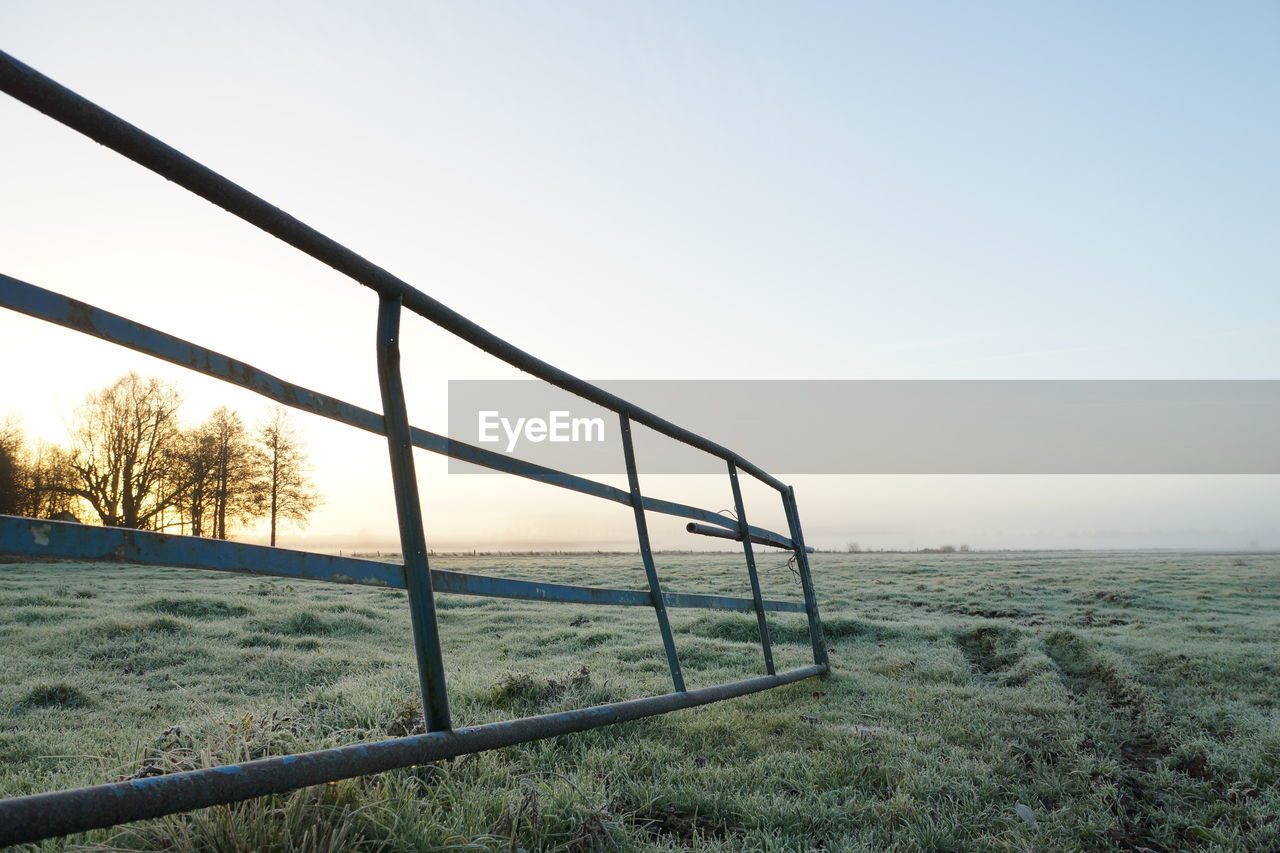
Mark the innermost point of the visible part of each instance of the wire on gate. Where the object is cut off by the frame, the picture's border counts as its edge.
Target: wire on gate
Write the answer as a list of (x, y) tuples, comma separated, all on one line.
[(791, 565)]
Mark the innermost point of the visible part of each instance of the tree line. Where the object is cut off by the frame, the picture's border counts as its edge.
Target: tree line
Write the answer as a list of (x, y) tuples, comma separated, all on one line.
[(130, 461)]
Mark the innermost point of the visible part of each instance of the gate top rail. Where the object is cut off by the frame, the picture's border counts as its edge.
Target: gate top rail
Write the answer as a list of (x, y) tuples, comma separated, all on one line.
[(60, 103)]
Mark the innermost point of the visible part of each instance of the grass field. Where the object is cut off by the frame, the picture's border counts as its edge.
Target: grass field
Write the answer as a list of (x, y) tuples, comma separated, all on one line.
[(1021, 701)]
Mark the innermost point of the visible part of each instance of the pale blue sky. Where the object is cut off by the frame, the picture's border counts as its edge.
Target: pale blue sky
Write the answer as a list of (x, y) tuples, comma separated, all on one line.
[(651, 190)]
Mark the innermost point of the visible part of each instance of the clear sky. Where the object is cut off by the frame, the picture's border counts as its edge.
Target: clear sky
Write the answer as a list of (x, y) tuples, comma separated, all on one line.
[(663, 190)]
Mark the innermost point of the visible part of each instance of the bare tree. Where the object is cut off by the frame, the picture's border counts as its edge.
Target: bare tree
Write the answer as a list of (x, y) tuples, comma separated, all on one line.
[(236, 483), (289, 494), (122, 443), (35, 483), (11, 452), (49, 483), (194, 468)]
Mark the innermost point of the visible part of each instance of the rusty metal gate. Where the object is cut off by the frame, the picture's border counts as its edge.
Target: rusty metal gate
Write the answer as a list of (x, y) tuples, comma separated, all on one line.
[(30, 818)]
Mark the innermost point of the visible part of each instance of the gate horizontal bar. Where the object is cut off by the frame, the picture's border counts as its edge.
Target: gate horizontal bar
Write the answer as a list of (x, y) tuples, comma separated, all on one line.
[(69, 313), (42, 304), (530, 470), (463, 583), (32, 818), (719, 533), (66, 539), (672, 508), (60, 103)]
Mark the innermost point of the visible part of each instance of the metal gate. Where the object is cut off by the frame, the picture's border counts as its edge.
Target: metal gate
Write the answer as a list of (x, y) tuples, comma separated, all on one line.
[(39, 816)]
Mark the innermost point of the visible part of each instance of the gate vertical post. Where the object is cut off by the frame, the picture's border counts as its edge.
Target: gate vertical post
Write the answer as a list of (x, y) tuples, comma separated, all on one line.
[(646, 554), (745, 529), (413, 541), (816, 637)]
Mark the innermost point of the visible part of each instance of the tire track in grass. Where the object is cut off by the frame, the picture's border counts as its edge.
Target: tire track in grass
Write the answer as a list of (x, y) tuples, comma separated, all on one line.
[(990, 649), (1164, 784), (1122, 725), (1000, 654)]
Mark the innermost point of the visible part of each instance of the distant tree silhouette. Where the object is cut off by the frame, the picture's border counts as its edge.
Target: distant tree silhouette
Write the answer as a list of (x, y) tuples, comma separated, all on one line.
[(49, 483), (237, 492), (35, 483), (122, 443), (288, 493), (133, 465), (196, 459), (11, 443)]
